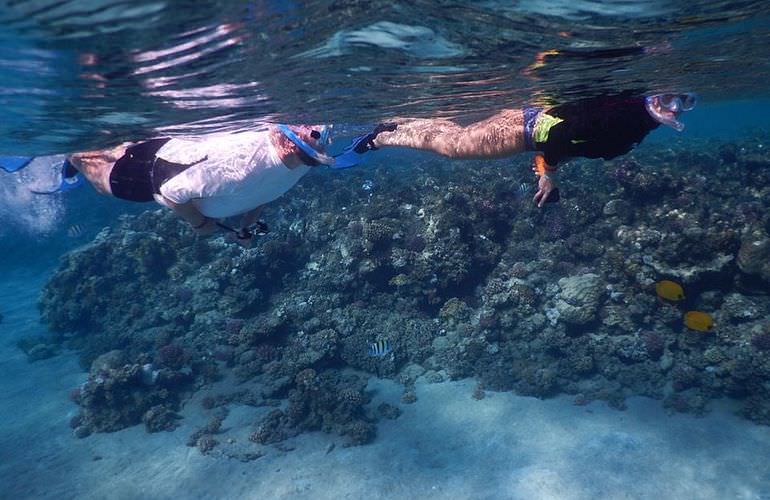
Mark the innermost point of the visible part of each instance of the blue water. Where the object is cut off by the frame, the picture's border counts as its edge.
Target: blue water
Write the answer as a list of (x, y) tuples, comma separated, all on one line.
[(81, 75), (78, 75)]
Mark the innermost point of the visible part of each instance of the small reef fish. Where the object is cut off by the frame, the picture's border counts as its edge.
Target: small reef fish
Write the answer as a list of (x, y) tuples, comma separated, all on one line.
[(669, 290), (379, 348), (75, 231), (523, 189), (699, 321)]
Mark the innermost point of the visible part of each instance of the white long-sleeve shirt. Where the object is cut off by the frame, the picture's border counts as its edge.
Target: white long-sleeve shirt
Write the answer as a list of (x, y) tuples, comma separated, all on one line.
[(231, 174)]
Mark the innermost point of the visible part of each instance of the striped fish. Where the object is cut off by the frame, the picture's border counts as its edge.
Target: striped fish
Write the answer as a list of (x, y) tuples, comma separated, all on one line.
[(379, 348), (75, 231), (523, 189)]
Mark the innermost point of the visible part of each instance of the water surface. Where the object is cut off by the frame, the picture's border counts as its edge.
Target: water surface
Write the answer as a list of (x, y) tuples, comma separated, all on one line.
[(80, 74)]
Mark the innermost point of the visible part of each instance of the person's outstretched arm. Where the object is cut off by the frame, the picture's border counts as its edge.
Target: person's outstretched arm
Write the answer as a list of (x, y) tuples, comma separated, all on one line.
[(496, 137)]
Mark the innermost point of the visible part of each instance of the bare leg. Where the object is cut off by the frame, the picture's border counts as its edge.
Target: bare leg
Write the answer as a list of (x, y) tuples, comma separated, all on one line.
[(496, 137), (97, 165)]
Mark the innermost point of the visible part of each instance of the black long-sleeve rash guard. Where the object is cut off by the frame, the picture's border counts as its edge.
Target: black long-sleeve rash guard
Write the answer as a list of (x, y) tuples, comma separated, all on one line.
[(601, 127)]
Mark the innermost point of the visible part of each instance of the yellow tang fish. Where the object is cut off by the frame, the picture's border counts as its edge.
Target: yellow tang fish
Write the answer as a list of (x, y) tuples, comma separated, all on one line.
[(669, 290), (700, 321)]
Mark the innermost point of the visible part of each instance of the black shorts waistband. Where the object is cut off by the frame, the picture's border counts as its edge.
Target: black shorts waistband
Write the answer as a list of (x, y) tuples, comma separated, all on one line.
[(530, 118), (131, 177)]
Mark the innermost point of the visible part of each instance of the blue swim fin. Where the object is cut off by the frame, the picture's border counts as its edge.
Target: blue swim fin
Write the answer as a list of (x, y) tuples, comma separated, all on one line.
[(359, 146), (14, 163), (353, 153), (70, 179)]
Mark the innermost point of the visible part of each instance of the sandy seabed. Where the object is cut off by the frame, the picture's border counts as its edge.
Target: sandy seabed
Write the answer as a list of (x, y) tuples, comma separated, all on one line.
[(446, 445)]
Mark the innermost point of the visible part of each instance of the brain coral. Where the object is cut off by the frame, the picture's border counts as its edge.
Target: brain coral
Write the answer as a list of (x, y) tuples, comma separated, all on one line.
[(579, 298), (754, 256)]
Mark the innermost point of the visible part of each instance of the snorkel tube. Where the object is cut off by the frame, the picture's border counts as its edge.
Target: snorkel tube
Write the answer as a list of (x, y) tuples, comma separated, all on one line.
[(323, 140), (666, 108)]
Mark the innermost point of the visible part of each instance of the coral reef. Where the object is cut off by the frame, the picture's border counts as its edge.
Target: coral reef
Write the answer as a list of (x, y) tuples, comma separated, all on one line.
[(203, 438), (118, 394), (579, 298), (754, 255), (461, 275), (330, 402)]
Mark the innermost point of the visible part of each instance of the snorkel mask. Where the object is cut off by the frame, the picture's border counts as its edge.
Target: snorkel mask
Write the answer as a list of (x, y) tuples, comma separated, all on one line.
[(666, 108), (322, 135)]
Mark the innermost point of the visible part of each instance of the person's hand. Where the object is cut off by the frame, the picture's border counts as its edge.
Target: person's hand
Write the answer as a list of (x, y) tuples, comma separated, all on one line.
[(206, 229), (368, 141), (545, 187), (245, 236), (242, 238)]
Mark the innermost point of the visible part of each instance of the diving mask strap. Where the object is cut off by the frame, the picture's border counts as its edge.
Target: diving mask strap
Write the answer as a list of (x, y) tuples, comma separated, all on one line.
[(305, 147)]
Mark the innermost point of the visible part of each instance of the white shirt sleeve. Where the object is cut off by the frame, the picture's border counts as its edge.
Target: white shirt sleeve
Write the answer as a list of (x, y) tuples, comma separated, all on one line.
[(181, 189)]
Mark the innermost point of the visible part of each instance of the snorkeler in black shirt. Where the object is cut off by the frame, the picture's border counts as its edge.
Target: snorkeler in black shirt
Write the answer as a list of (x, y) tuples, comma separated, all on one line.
[(604, 127), (600, 127)]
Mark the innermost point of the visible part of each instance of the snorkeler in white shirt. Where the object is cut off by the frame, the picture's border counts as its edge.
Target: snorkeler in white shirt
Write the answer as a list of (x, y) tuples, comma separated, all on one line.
[(209, 179)]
